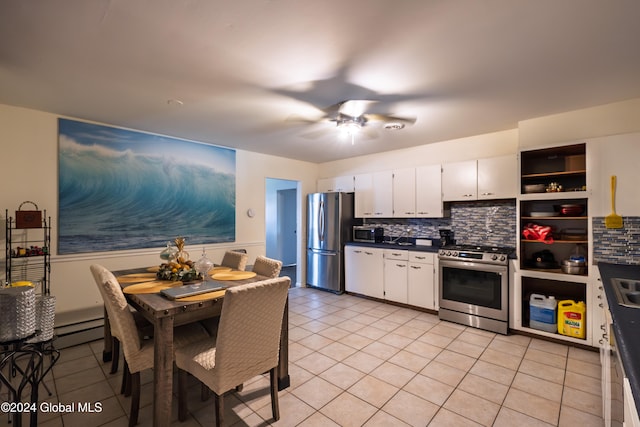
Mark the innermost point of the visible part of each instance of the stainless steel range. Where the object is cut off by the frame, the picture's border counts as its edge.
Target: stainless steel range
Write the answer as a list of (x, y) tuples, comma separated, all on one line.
[(474, 286)]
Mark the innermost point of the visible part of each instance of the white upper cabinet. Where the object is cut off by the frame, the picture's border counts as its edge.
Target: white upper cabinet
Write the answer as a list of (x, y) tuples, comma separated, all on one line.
[(460, 181), (491, 178), (404, 193), (363, 199), (383, 194), (498, 177), (429, 191), (374, 195), (335, 185)]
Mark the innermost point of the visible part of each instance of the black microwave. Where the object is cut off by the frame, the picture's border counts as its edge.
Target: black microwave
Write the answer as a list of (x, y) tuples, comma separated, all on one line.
[(363, 233)]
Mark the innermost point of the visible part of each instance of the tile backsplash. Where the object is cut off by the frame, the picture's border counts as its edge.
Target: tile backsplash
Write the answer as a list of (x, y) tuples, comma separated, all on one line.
[(494, 222), (617, 245), (481, 223)]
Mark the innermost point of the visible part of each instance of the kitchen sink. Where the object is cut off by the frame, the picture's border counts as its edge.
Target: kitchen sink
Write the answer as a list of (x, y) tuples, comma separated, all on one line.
[(627, 292)]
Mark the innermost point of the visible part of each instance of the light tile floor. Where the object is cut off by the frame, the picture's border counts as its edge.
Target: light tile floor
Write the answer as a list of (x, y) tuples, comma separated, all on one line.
[(356, 362)]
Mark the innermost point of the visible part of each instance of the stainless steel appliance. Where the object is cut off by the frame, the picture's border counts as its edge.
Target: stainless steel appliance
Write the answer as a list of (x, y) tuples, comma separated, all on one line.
[(364, 233), (329, 222), (474, 286)]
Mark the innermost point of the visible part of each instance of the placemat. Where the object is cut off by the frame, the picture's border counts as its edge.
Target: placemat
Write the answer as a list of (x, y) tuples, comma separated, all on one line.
[(219, 269), (136, 278), (152, 287), (202, 297), (234, 275)]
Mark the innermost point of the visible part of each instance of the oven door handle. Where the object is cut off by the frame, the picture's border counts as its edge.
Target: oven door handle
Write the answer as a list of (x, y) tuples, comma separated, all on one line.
[(477, 266)]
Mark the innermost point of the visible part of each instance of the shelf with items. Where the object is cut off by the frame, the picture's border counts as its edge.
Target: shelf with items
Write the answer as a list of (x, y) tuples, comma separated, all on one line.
[(552, 231), (27, 253), (554, 170), (572, 295)]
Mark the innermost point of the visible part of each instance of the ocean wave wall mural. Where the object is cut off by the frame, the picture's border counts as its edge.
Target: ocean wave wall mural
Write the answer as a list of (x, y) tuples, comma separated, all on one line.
[(120, 189)]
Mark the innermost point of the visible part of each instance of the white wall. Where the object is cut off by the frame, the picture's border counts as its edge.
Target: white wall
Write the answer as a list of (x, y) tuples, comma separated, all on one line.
[(610, 119), (30, 167)]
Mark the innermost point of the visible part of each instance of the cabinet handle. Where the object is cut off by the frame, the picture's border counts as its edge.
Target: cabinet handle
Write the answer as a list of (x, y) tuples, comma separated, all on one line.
[(420, 257), (603, 327), (601, 305), (423, 213), (401, 265), (357, 252), (409, 213), (416, 267), (487, 194), (368, 253)]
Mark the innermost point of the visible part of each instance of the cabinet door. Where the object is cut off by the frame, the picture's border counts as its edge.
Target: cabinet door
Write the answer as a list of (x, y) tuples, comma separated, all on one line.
[(420, 281), (498, 177), (429, 191), (395, 280), (459, 181), (404, 193), (325, 185), (364, 271), (363, 199), (343, 184), (382, 193)]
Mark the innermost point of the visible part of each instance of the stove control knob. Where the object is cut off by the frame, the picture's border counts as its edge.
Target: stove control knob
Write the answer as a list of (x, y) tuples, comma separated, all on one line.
[(448, 253), (503, 257), (454, 253), (494, 257)]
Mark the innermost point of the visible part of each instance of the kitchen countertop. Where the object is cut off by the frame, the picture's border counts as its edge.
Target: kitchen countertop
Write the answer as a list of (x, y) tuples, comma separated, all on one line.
[(626, 323), (418, 248)]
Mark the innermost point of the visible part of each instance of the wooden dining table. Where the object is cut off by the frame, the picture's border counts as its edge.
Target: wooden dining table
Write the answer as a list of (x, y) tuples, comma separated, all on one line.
[(165, 315)]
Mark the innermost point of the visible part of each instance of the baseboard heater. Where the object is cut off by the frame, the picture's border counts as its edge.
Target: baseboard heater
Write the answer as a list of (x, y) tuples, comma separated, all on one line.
[(79, 333)]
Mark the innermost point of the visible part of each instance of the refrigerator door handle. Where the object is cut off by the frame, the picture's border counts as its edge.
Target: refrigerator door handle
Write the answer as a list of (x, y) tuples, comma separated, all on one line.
[(321, 221), (324, 253)]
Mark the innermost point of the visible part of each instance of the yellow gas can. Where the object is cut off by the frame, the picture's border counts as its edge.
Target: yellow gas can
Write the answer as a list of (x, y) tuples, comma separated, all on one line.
[(571, 318)]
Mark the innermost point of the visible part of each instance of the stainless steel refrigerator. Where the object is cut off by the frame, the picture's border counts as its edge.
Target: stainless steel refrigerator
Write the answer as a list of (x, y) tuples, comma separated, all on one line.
[(329, 224)]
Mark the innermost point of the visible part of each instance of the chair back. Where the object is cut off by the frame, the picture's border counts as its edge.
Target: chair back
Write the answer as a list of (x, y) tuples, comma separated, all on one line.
[(123, 325), (235, 260), (267, 266), (248, 341)]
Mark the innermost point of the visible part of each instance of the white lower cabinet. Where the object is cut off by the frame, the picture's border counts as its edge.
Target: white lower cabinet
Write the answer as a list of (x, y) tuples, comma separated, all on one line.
[(364, 271), (421, 280), (395, 275)]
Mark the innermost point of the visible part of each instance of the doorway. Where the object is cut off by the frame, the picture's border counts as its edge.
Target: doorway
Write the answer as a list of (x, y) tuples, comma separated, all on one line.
[(282, 224)]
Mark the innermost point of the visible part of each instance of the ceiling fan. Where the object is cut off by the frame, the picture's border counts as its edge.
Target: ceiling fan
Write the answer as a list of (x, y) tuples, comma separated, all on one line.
[(353, 116)]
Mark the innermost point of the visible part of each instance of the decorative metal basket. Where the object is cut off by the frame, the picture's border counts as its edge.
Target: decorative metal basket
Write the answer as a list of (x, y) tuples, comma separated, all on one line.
[(45, 318), (17, 313)]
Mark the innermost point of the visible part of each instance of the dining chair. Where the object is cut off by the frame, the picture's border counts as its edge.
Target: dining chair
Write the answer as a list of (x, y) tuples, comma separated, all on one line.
[(247, 344), (235, 260), (268, 267), (138, 352)]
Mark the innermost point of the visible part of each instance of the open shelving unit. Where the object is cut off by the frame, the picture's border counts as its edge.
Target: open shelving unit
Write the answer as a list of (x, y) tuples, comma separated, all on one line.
[(551, 178), (27, 252)]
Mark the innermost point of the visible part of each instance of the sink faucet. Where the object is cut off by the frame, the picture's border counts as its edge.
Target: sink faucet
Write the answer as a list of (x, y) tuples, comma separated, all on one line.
[(405, 235)]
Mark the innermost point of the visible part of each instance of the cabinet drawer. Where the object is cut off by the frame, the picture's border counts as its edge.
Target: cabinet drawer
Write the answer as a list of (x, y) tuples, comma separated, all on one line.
[(396, 254), (421, 257)]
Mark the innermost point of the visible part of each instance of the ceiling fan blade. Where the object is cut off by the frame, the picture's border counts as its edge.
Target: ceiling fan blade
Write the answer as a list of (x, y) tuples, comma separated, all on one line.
[(386, 118), (317, 133), (294, 118)]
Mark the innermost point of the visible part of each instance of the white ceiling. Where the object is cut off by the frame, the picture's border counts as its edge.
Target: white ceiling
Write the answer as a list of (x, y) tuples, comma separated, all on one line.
[(241, 68)]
